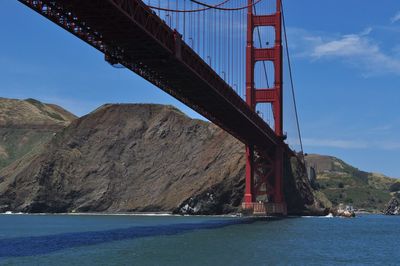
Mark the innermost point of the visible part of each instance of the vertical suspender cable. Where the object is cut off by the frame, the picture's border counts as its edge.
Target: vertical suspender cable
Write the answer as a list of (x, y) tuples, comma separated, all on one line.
[(198, 31), (177, 15), (204, 34), (215, 37), (233, 49), (229, 49), (184, 21), (220, 42)]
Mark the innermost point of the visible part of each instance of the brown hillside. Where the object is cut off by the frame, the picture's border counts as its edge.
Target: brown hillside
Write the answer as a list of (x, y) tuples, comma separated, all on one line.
[(136, 157)]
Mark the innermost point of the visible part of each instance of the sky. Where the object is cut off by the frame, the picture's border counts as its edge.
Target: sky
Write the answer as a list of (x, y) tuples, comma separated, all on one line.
[(345, 59)]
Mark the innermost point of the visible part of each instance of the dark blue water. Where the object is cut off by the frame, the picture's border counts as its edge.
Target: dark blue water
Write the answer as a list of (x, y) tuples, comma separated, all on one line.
[(133, 240)]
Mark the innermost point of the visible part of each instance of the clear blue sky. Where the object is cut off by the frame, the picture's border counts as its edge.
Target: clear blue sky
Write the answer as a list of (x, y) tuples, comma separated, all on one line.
[(346, 60)]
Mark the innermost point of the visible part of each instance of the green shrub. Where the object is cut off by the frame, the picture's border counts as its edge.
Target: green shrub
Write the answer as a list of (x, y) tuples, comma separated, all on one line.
[(349, 200), (394, 187)]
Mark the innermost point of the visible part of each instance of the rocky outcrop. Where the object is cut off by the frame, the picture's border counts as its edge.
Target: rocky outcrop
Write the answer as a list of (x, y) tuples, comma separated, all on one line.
[(393, 207), (342, 210), (140, 157)]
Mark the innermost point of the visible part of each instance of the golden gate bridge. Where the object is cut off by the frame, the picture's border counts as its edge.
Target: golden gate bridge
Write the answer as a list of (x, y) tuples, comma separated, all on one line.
[(222, 58)]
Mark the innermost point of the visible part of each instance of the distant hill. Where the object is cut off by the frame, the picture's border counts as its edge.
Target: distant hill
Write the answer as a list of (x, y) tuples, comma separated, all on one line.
[(343, 183), (25, 125)]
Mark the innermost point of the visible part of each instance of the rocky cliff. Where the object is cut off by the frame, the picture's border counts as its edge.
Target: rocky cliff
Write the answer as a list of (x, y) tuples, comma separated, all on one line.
[(393, 207), (139, 157)]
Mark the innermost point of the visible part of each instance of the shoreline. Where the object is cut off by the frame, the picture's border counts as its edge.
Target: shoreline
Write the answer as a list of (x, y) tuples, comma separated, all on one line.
[(138, 214), (170, 214)]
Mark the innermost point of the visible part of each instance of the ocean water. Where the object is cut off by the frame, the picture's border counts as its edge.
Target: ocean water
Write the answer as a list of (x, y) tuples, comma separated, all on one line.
[(176, 240)]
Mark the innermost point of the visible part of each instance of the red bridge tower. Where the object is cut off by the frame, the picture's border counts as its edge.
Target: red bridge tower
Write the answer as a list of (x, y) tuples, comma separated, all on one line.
[(264, 166)]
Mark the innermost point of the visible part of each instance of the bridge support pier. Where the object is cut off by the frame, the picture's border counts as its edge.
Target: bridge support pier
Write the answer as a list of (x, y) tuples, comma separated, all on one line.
[(264, 209), (248, 196), (264, 165), (278, 175), (264, 183)]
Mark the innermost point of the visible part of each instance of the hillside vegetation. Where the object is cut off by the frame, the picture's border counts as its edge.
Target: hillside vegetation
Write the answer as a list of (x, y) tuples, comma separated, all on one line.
[(343, 183), (25, 125)]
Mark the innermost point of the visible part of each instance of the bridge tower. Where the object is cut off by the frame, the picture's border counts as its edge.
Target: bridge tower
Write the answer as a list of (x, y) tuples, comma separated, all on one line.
[(264, 166)]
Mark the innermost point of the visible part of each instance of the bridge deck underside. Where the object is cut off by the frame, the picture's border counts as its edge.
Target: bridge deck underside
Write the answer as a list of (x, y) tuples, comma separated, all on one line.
[(135, 37)]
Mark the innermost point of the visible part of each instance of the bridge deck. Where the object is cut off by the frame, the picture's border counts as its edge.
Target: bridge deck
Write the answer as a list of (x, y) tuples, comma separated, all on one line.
[(130, 33)]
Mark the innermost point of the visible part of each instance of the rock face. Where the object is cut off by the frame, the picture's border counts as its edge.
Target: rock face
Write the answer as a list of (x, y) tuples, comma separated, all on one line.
[(393, 207), (301, 199), (25, 125), (139, 157)]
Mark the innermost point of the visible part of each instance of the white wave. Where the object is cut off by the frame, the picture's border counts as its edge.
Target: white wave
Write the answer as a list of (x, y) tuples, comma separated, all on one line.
[(326, 216), (12, 213)]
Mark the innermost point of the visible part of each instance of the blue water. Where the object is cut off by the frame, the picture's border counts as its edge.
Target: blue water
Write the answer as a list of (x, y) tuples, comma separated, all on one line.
[(144, 240)]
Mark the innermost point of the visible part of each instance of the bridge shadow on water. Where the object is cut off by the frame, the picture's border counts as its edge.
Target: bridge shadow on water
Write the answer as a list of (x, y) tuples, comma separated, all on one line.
[(40, 245)]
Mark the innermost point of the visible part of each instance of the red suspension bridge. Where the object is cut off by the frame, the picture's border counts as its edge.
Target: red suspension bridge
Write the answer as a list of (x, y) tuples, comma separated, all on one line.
[(223, 59)]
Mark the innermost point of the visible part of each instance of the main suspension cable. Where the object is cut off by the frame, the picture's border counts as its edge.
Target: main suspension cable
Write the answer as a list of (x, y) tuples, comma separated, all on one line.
[(226, 8), (188, 10), (206, 7), (291, 81)]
